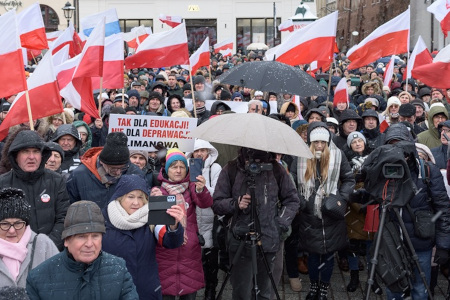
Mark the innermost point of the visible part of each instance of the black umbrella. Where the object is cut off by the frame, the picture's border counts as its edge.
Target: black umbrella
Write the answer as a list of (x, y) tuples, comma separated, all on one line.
[(273, 76)]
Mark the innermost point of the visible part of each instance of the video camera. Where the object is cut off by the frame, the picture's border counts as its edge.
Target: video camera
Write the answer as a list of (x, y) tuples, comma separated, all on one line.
[(257, 163), (393, 171)]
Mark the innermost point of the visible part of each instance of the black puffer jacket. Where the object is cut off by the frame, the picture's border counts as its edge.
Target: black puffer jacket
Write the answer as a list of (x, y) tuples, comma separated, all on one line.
[(71, 157), (348, 114), (44, 189)]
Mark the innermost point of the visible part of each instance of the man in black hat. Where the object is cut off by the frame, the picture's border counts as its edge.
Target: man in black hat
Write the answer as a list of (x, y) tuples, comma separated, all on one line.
[(407, 112), (100, 171), (82, 270)]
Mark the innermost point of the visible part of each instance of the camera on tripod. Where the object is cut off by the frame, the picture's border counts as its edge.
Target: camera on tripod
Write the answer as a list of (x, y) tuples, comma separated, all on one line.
[(256, 166)]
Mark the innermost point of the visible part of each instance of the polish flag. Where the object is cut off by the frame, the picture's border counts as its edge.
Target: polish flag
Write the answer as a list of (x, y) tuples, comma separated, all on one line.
[(51, 36), (224, 45), (68, 37), (136, 36), (390, 38), (112, 64), (172, 21), (200, 58), (78, 92), (441, 11), (226, 52), (44, 97), (436, 74), (32, 28), (60, 57), (419, 57), (64, 71), (341, 93), (389, 72), (12, 72), (315, 41), (287, 25), (161, 49)]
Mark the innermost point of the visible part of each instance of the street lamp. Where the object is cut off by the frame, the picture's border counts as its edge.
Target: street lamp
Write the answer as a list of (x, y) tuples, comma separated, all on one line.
[(68, 12)]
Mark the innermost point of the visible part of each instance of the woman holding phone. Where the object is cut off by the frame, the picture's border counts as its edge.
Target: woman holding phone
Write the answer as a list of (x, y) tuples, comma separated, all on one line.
[(129, 236), (180, 270)]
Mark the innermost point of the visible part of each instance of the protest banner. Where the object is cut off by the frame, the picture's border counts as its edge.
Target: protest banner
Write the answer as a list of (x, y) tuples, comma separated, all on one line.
[(146, 132)]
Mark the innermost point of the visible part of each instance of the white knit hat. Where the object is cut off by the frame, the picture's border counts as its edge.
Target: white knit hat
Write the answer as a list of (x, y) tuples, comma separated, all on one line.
[(319, 134), (393, 100), (355, 135)]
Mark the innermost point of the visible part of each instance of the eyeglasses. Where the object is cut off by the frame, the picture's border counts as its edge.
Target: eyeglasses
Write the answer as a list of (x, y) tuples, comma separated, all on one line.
[(115, 169), (5, 226)]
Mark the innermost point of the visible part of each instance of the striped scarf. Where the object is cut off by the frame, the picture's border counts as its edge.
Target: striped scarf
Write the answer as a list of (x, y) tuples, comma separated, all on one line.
[(178, 190)]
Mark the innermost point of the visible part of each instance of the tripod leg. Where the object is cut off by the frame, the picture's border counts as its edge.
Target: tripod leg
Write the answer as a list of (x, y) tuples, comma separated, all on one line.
[(374, 260), (268, 270), (254, 270), (230, 269), (413, 252)]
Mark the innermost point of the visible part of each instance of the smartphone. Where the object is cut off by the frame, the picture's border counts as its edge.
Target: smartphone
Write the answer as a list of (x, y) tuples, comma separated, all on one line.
[(157, 206), (195, 168)]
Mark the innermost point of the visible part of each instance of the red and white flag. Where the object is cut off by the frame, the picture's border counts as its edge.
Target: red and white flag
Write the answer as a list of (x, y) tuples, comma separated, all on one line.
[(172, 21), (12, 71), (136, 36), (341, 93), (287, 25), (389, 71), (419, 57), (68, 37), (390, 38), (201, 57), (441, 11), (32, 28), (315, 41), (51, 36), (436, 74), (226, 52), (78, 92), (112, 64), (60, 57), (161, 49), (44, 97), (64, 71), (224, 45)]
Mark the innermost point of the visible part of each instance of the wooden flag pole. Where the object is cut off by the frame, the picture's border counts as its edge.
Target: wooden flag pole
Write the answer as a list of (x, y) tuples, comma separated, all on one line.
[(100, 99), (34, 58), (192, 91), (30, 115)]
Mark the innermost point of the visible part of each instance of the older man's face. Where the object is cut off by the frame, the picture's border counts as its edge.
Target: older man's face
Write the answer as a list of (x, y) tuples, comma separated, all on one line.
[(84, 247), (29, 159), (254, 108)]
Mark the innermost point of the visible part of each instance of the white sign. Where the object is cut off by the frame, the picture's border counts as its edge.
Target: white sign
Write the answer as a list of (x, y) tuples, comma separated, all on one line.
[(146, 132)]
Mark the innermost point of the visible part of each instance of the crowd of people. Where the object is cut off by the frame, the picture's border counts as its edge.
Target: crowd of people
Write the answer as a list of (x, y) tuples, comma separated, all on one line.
[(74, 214)]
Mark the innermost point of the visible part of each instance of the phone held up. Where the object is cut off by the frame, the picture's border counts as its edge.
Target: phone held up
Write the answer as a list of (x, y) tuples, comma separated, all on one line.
[(195, 168)]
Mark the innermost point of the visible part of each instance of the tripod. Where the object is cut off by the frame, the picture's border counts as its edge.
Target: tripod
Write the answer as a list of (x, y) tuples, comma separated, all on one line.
[(253, 238), (374, 260)]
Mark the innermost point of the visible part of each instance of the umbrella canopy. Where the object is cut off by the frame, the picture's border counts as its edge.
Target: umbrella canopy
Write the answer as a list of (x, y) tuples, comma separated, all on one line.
[(253, 131), (273, 76), (257, 46)]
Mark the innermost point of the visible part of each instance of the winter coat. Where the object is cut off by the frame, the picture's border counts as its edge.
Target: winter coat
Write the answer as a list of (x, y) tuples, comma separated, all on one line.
[(44, 189), (85, 147), (60, 277), (341, 140), (284, 107), (326, 235), (440, 156), (213, 109), (71, 157), (432, 137), (43, 250), (201, 117), (180, 269), (211, 170), (84, 182), (137, 248), (278, 201)]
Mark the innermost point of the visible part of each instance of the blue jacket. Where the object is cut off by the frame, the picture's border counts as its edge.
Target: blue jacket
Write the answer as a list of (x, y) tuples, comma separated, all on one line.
[(60, 277), (137, 248), (440, 156)]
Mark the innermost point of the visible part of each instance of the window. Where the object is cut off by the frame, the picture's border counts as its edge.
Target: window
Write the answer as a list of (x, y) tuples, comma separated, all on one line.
[(256, 31), (198, 29), (50, 17), (127, 25)]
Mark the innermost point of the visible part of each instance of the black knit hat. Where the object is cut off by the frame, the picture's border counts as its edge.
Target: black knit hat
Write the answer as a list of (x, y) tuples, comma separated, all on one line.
[(115, 151), (407, 110), (14, 205), (83, 217)]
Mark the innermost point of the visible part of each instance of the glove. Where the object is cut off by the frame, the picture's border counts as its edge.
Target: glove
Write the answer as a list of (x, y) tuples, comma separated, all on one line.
[(285, 233), (441, 256)]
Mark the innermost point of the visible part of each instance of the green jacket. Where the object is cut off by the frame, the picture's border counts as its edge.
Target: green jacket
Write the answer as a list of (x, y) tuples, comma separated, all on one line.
[(60, 277), (432, 137)]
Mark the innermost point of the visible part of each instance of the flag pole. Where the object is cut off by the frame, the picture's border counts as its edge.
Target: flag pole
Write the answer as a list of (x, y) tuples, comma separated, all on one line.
[(192, 91), (34, 58), (329, 81), (100, 99), (209, 70), (123, 97), (30, 116)]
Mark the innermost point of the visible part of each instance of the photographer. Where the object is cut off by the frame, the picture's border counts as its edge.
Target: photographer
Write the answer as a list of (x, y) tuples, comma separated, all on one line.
[(273, 187), (431, 196)]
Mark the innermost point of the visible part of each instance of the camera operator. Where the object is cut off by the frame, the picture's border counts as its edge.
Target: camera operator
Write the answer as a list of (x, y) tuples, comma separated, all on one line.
[(276, 203), (431, 196)]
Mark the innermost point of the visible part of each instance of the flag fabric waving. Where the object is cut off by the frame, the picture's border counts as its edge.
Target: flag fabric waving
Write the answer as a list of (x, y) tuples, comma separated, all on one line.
[(313, 42), (79, 91), (436, 74), (287, 25), (172, 21), (51, 36), (200, 58), (136, 36), (44, 97), (68, 37), (226, 52), (441, 11), (224, 45), (389, 72), (112, 64), (390, 38), (11, 58), (111, 22), (419, 57), (32, 28), (341, 93), (161, 49)]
